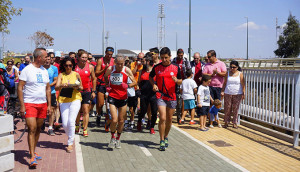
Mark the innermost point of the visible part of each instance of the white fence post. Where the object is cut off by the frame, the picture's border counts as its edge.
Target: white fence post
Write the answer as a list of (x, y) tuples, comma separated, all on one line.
[(296, 110)]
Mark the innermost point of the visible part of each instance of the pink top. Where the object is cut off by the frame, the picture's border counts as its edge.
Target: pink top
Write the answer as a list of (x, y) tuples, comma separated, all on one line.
[(216, 81)]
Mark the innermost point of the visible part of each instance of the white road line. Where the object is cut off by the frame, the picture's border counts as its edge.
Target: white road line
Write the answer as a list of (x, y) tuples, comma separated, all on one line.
[(211, 150), (79, 158), (145, 150)]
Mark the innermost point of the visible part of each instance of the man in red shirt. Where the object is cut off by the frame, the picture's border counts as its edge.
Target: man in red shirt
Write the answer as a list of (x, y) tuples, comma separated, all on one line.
[(197, 68), (167, 78)]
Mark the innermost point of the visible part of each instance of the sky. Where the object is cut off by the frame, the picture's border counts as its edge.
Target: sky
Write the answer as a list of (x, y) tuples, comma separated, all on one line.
[(220, 25)]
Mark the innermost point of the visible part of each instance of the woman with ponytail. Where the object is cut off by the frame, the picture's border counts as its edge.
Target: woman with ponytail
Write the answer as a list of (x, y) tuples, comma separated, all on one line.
[(233, 91)]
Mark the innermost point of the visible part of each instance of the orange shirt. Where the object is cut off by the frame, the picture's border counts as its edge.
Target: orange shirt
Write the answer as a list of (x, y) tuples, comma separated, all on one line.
[(136, 75)]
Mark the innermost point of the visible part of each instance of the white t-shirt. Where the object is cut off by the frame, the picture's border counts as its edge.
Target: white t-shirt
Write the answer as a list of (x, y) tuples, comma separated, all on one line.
[(36, 81), (204, 93), (188, 86), (130, 91)]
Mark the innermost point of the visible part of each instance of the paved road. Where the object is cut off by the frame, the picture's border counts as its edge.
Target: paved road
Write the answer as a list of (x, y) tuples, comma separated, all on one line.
[(140, 152)]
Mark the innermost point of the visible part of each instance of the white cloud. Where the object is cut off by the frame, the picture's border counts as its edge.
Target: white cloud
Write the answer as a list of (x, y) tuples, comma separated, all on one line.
[(251, 25)]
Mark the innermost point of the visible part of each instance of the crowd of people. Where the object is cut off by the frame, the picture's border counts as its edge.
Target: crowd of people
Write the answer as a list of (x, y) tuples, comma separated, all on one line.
[(151, 83)]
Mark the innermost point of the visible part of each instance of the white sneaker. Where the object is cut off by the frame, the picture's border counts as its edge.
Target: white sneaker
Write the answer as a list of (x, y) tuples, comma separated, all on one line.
[(112, 143), (220, 126), (118, 144), (211, 126), (93, 114)]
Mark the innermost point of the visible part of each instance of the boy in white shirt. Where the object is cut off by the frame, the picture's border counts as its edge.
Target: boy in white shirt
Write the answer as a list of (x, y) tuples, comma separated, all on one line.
[(203, 101), (188, 89)]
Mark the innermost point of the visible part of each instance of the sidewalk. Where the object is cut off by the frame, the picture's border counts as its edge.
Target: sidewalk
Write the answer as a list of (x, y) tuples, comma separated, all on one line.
[(251, 149), (51, 148)]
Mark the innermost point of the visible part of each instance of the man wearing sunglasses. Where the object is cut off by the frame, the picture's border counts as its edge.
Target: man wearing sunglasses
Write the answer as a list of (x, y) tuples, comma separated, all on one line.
[(217, 70)]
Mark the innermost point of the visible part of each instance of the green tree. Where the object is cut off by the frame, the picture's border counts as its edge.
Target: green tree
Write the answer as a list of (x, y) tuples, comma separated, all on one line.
[(289, 41), (42, 39), (7, 11)]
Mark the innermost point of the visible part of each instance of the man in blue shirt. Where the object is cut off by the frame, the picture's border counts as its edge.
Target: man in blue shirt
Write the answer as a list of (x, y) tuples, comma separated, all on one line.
[(23, 65), (53, 73)]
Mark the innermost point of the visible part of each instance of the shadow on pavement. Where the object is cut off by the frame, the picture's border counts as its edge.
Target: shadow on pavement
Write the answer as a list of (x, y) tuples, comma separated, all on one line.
[(95, 145), (20, 156), (52, 145), (147, 144)]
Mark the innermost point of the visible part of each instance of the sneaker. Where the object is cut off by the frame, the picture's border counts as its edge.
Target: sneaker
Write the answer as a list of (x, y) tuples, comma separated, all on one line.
[(56, 126), (162, 146), (166, 142), (152, 131), (93, 114), (77, 129), (33, 162), (51, 132), (118, 144), (220, 126), (106, 126), (85, 133), (211, 126), (192, 122), (112, 143), (98, 120), (37, 157), (148, 125), (139, 126), (181, 122), (157, 120)]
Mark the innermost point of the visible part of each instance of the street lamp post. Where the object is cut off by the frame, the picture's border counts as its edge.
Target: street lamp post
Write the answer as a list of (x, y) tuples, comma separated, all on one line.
[(190, 32), (103, 28), (88, 30), (247, 39)]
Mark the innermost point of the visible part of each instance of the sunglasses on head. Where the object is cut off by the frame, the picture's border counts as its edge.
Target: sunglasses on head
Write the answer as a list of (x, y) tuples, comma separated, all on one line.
[(110, 49)]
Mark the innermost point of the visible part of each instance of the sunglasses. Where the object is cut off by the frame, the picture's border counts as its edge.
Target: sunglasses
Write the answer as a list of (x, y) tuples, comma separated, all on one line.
[(232, 67), (153, 53), (209, 57), (109, 49), (68, 65), (89, 58)]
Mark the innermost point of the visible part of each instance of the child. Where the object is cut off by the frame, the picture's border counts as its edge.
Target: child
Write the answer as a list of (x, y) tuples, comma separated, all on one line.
[(203, 101), (131, 103), (188, 89), (214, 113)]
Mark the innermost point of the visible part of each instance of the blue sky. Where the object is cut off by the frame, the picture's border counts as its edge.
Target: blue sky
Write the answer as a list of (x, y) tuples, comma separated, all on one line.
[(216, 24)]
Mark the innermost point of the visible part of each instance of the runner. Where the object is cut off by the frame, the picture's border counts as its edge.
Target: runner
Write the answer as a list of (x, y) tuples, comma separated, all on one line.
[(53, 73), (86, 72), (101, 68), (167, 76), (117, 97), (34, 92), (148, 97)]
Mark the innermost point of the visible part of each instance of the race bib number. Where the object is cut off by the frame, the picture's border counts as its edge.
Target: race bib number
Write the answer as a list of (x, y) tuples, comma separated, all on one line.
[(116, 78)]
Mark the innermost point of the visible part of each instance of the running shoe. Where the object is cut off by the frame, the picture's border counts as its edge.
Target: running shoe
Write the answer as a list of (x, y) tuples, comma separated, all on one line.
[(192, 122), (56, 126), (220, 126), (139, 126), (37, 157), (152, 131), (211, 126), (33, 162), (118, 144), (85, 133), (181, 122), (51, 132), (77, 128), (112, 143), (106, 126), (166, 142), (162, 146)]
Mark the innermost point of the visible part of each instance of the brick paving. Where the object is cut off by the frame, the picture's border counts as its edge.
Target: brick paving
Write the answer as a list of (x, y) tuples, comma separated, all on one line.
[(251, 149), (52, 150)]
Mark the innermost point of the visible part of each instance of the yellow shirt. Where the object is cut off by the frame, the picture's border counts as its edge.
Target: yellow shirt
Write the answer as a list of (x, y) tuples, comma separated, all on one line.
[(136, 75), (70, 79)]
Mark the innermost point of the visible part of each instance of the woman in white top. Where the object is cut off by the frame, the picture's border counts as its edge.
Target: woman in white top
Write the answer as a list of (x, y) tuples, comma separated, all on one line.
[(233, 91)]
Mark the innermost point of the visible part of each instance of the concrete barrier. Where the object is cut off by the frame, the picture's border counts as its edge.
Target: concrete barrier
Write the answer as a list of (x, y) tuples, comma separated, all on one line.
[(6, 143)]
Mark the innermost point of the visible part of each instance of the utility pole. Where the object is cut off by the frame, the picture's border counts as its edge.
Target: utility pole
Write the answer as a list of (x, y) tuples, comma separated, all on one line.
[(247, 39), (190, 28), (176, 41), (141, 34)]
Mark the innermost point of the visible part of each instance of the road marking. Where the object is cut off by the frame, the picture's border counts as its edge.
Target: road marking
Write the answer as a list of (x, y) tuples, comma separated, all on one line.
[(79, 158), (211, 150), (145, 150)]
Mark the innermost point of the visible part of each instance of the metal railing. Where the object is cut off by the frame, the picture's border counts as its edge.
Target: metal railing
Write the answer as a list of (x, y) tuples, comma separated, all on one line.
[(279, 63), (273, 97)]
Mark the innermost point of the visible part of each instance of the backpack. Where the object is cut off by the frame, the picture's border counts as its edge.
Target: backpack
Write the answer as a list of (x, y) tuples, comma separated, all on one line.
[(5, 78)]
